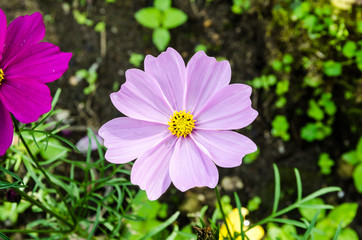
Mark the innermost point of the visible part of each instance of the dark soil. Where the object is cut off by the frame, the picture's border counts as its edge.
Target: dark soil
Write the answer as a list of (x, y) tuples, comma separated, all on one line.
[(241, 39)]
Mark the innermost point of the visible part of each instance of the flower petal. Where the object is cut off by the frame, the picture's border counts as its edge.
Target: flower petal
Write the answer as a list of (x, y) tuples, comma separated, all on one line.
[(190, 167), (228, 109), (26, 99), (42, 61), (3, 25), (151, 169), (205, 77), (127, 138), (6, 129), (141, 98), (225, 148), (23, 32), (170, 72)]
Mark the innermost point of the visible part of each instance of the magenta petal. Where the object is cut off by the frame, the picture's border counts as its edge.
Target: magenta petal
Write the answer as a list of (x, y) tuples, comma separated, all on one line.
[(190, 167), (26, 99), (225, 148), (141, 98), (127, 138), (228, 109), (3, 25), (42, 61), (170, 72), (6, 129), (205, 77), (23, 32), (151, 169)]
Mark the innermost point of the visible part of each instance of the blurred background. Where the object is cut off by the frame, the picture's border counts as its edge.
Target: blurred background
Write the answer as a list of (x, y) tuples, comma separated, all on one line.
[(302, 58)]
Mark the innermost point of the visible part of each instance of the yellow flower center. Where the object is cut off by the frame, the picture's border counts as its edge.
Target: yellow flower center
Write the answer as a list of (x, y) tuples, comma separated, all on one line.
[(181, 123), (2, 75)]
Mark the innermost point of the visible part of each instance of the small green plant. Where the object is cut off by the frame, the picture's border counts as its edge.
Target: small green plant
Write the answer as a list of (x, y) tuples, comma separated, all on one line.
[(327, 224), (251, 157), (354, 158), (280, 127), (325, 163), (136, 59), (240, 6), (161, 17), (90, 76), (264, 81), (254, 203)]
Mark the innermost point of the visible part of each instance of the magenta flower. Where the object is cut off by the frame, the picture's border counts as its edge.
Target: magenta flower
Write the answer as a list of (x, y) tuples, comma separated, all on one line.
[(25, 66), (178, 122)]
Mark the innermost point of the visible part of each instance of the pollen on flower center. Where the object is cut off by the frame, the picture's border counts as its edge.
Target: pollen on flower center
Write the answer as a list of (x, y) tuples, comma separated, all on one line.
[(181, 123), (2, 75)]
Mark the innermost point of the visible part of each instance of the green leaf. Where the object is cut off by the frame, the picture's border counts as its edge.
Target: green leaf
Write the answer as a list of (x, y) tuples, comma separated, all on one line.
[(328, 104), (100, 27), (359, 149), (280, 127), (324, 230), (53, 149), (332, 68), (277, 65), (173, 17), (359, 59), (282, 87), (348, 234), (343, 214), (149, 17), (161, 37), (254, 203), (251, 157), (287, 59), (281, 102), (349, 49), (315, 131), (136, 58), (309, 213), (163, 5), (276, 189), (325, 163), (357, 177), (350, 157), (314, 111), (162, 226)]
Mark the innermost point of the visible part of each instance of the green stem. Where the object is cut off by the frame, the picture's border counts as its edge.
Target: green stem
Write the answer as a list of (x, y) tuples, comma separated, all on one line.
[(30, 231), (31, 200), (222, 211), (46, 176)]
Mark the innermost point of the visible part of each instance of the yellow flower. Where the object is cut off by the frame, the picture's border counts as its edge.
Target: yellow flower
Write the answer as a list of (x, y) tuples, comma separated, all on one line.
[(343, 4), (234, 224)]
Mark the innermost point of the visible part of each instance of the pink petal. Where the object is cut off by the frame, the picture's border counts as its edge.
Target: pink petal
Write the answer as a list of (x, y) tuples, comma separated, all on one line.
[(26, 99), (6, 129), (151, 169), (127, 138), (190, 167), (205, 77), (141, 98), (23, 32), (3, 25), (228, 109), (225, 148), (42, 61), (170, 72)]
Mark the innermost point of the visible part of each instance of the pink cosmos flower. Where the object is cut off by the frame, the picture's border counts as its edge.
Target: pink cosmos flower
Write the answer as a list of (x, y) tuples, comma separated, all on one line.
[(25, 66), (178, 122)]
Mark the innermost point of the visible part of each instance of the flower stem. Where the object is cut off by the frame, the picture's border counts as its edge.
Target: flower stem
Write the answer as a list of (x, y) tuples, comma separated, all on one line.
[(222, 211), (17, 130)]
